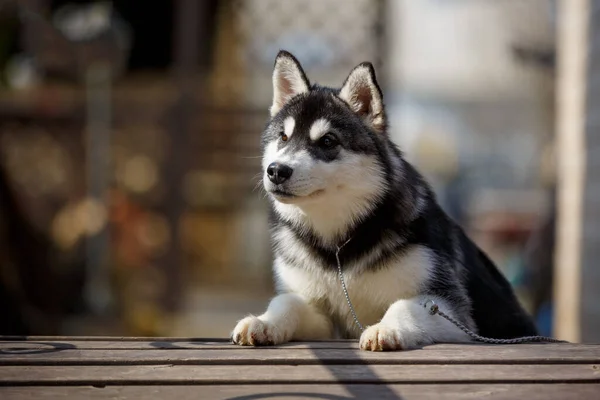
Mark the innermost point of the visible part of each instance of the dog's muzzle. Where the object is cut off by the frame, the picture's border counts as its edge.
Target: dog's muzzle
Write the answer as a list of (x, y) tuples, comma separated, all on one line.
[(279, 173)]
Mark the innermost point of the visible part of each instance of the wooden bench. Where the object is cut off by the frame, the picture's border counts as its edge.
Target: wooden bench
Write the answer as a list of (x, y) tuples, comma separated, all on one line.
[(184, 368)]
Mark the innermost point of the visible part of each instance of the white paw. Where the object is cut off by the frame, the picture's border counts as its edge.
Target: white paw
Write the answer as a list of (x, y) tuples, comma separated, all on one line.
[(252, 331), (380, 338)]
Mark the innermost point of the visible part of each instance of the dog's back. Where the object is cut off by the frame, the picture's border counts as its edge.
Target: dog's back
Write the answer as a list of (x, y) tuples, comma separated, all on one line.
[(495, 309)]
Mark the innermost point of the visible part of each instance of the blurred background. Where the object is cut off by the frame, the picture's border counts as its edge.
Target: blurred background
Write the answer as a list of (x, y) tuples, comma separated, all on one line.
[(129, 149)]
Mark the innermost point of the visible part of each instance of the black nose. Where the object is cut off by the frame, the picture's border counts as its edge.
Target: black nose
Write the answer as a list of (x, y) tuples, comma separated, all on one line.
[(279, 173)]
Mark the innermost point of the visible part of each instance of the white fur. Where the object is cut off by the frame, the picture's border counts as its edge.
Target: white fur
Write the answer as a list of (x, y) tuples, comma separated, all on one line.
[(358, 78), (319, 128), (371, 292), (288, 317), (407, 324), (362, 95), (270, 154), (304, 259), (385, 300), (288, 126), (331, 196), (287, 83)]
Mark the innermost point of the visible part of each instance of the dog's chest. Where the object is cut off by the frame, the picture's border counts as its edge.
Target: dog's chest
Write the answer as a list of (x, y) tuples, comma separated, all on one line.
[(371, 292)]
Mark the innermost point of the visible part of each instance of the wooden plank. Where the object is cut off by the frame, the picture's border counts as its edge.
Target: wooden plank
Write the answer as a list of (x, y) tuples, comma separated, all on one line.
[(329, 391), (439, 354), (140, 343), (19, 346), (49, 343), (113, 339), (300, 374)]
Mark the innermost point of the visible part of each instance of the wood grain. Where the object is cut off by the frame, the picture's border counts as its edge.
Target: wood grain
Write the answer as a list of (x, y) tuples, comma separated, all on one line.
[(442, 354), (186, 368), (328, 392), (159, 344), (307, 374), (102, 343)]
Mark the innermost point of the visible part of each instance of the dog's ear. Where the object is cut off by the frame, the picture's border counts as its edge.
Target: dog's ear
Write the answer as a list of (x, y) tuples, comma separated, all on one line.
[(289, 80), (362, 93)]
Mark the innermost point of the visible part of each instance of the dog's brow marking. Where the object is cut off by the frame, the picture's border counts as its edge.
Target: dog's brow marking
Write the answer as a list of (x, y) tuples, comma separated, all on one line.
[(319, 128), (288, 126)]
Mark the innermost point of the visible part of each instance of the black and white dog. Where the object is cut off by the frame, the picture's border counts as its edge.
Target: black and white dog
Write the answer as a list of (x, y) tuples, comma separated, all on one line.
[(333, 176)]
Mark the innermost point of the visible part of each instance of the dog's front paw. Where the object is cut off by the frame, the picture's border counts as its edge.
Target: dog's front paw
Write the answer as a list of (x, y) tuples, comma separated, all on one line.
[(380, 337), (252, 331)]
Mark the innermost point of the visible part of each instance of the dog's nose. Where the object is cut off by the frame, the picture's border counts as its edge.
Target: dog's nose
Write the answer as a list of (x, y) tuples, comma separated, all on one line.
[(279, 173)]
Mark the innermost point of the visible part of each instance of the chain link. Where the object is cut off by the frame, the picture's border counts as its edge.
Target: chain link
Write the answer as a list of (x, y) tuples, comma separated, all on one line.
[(341, 275), (524, 339), (434, 309)]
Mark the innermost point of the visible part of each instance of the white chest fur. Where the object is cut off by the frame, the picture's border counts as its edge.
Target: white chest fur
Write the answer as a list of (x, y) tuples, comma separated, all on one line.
[(371, 293)]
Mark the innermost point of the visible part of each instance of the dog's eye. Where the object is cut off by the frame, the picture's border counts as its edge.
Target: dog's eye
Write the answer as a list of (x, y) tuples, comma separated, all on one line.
[(328, 141), (283, 136)]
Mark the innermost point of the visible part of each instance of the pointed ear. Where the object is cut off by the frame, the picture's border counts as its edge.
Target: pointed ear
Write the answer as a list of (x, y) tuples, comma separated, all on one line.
[(289, 80), (362, 93)]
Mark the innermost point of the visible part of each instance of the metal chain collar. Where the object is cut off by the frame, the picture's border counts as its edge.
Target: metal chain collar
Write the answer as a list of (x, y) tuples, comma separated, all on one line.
[(339, 265), (434, 309)]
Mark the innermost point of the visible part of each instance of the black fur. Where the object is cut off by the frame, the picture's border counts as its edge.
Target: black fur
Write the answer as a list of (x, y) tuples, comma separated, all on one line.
[(463, 274)]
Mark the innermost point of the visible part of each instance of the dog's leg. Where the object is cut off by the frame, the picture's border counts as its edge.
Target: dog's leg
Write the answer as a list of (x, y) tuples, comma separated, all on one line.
[(407, 324), (288, 317)]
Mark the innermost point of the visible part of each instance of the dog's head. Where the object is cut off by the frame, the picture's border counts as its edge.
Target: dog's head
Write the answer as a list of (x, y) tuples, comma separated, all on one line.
[(323, 148)]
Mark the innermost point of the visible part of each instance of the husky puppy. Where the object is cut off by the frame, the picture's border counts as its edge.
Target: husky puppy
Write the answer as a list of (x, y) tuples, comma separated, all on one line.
[(335, 179)]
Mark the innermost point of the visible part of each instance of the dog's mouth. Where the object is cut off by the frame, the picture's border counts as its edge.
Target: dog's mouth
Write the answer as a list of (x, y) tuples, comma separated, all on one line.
[(288, 197), (283, 194)]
